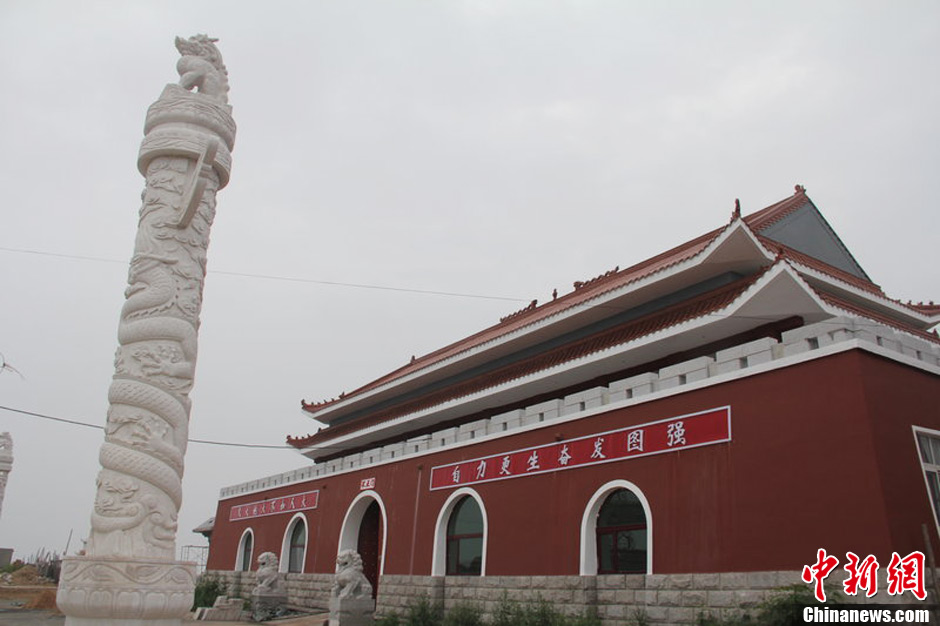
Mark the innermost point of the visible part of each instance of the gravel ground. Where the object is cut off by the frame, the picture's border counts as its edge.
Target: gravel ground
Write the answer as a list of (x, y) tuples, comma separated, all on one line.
[(22, 617)]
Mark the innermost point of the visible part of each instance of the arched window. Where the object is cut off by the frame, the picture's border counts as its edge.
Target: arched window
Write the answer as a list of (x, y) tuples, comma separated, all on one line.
[(465, 539), (294, 548), (245, 548), (621, 535)]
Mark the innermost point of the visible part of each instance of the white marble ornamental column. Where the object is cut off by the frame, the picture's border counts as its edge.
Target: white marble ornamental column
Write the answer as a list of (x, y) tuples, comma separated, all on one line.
[(129, 575), (6, 462)]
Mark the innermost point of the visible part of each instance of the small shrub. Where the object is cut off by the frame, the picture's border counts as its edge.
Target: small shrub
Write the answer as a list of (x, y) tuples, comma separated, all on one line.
[(787, 608), (389, 619), (423, 613), (590, 618), (504, 613), (507, 613), (464, 615), (711, 620), (783, 609), (539, 613), (208, 588), (638, 617)]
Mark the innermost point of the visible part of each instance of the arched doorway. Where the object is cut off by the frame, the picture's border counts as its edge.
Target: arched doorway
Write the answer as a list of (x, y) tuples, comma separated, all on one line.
[(368, 544), (365, 531)]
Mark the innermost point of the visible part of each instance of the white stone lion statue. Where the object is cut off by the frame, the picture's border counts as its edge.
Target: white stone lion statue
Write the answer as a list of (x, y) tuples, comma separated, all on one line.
[(267, 573), (350, 582)]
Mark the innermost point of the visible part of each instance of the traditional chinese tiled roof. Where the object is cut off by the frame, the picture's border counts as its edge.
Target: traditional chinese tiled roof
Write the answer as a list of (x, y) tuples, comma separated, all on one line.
[(205, 527), (531, 314), (825, 268), (585, 292), (646, 325), (927, 308), (596, 287), (769, 216), (866, 312)]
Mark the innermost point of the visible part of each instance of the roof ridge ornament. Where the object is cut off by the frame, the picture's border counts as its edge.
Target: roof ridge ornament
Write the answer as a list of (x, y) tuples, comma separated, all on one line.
[(529, 307), (581, 284), (799, 190), (736, 214)]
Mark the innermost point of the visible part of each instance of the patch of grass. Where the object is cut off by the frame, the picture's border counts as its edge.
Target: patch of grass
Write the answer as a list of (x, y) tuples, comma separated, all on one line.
[(508, 613), (782, 609), (464, 615), (389, 619)]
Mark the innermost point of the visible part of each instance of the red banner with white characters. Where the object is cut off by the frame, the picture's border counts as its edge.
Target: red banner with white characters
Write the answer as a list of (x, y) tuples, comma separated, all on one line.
[(668, 435), (274, 506)]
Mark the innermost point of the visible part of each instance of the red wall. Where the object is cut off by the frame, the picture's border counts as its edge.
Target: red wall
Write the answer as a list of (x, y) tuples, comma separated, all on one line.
[(822, 456)]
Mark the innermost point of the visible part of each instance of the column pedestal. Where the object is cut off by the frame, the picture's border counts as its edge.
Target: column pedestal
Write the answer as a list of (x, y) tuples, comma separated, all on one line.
[(128, 591)]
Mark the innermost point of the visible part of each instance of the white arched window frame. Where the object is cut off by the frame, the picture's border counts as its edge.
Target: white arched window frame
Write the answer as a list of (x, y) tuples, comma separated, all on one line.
[(349, 535), (439, 552), (284, 562), (240, 565), (589, 525)]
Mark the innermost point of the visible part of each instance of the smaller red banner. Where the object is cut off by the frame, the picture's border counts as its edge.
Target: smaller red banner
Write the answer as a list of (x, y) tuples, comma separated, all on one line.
[(275, 506), (669, 435)]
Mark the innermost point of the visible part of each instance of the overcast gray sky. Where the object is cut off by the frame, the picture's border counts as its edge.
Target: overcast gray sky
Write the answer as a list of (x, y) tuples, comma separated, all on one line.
[(491, 148)]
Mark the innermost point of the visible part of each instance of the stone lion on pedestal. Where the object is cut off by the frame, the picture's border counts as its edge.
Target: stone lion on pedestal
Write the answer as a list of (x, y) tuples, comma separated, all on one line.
[(268, 598), (267, 573), (350, 582)]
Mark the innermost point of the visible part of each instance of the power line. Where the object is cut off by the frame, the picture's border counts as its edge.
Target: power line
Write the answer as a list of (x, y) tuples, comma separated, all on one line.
[(61, 256), (99, 427), (365, 286), (294, 279)]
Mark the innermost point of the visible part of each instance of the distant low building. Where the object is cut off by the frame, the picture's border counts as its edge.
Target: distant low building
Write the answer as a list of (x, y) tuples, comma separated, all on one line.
[(731, 405)]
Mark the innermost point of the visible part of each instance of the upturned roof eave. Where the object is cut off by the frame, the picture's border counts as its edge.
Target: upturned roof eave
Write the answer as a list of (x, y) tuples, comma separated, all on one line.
[(618, 287), (601, 294), (878, 301), (713, 318)]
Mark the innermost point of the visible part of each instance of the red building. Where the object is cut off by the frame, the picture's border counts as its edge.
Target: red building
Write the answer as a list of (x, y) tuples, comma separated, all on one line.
[(730, 405)]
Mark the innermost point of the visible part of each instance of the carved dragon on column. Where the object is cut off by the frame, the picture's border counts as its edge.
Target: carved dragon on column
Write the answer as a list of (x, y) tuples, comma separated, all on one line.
[(185, 159)]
